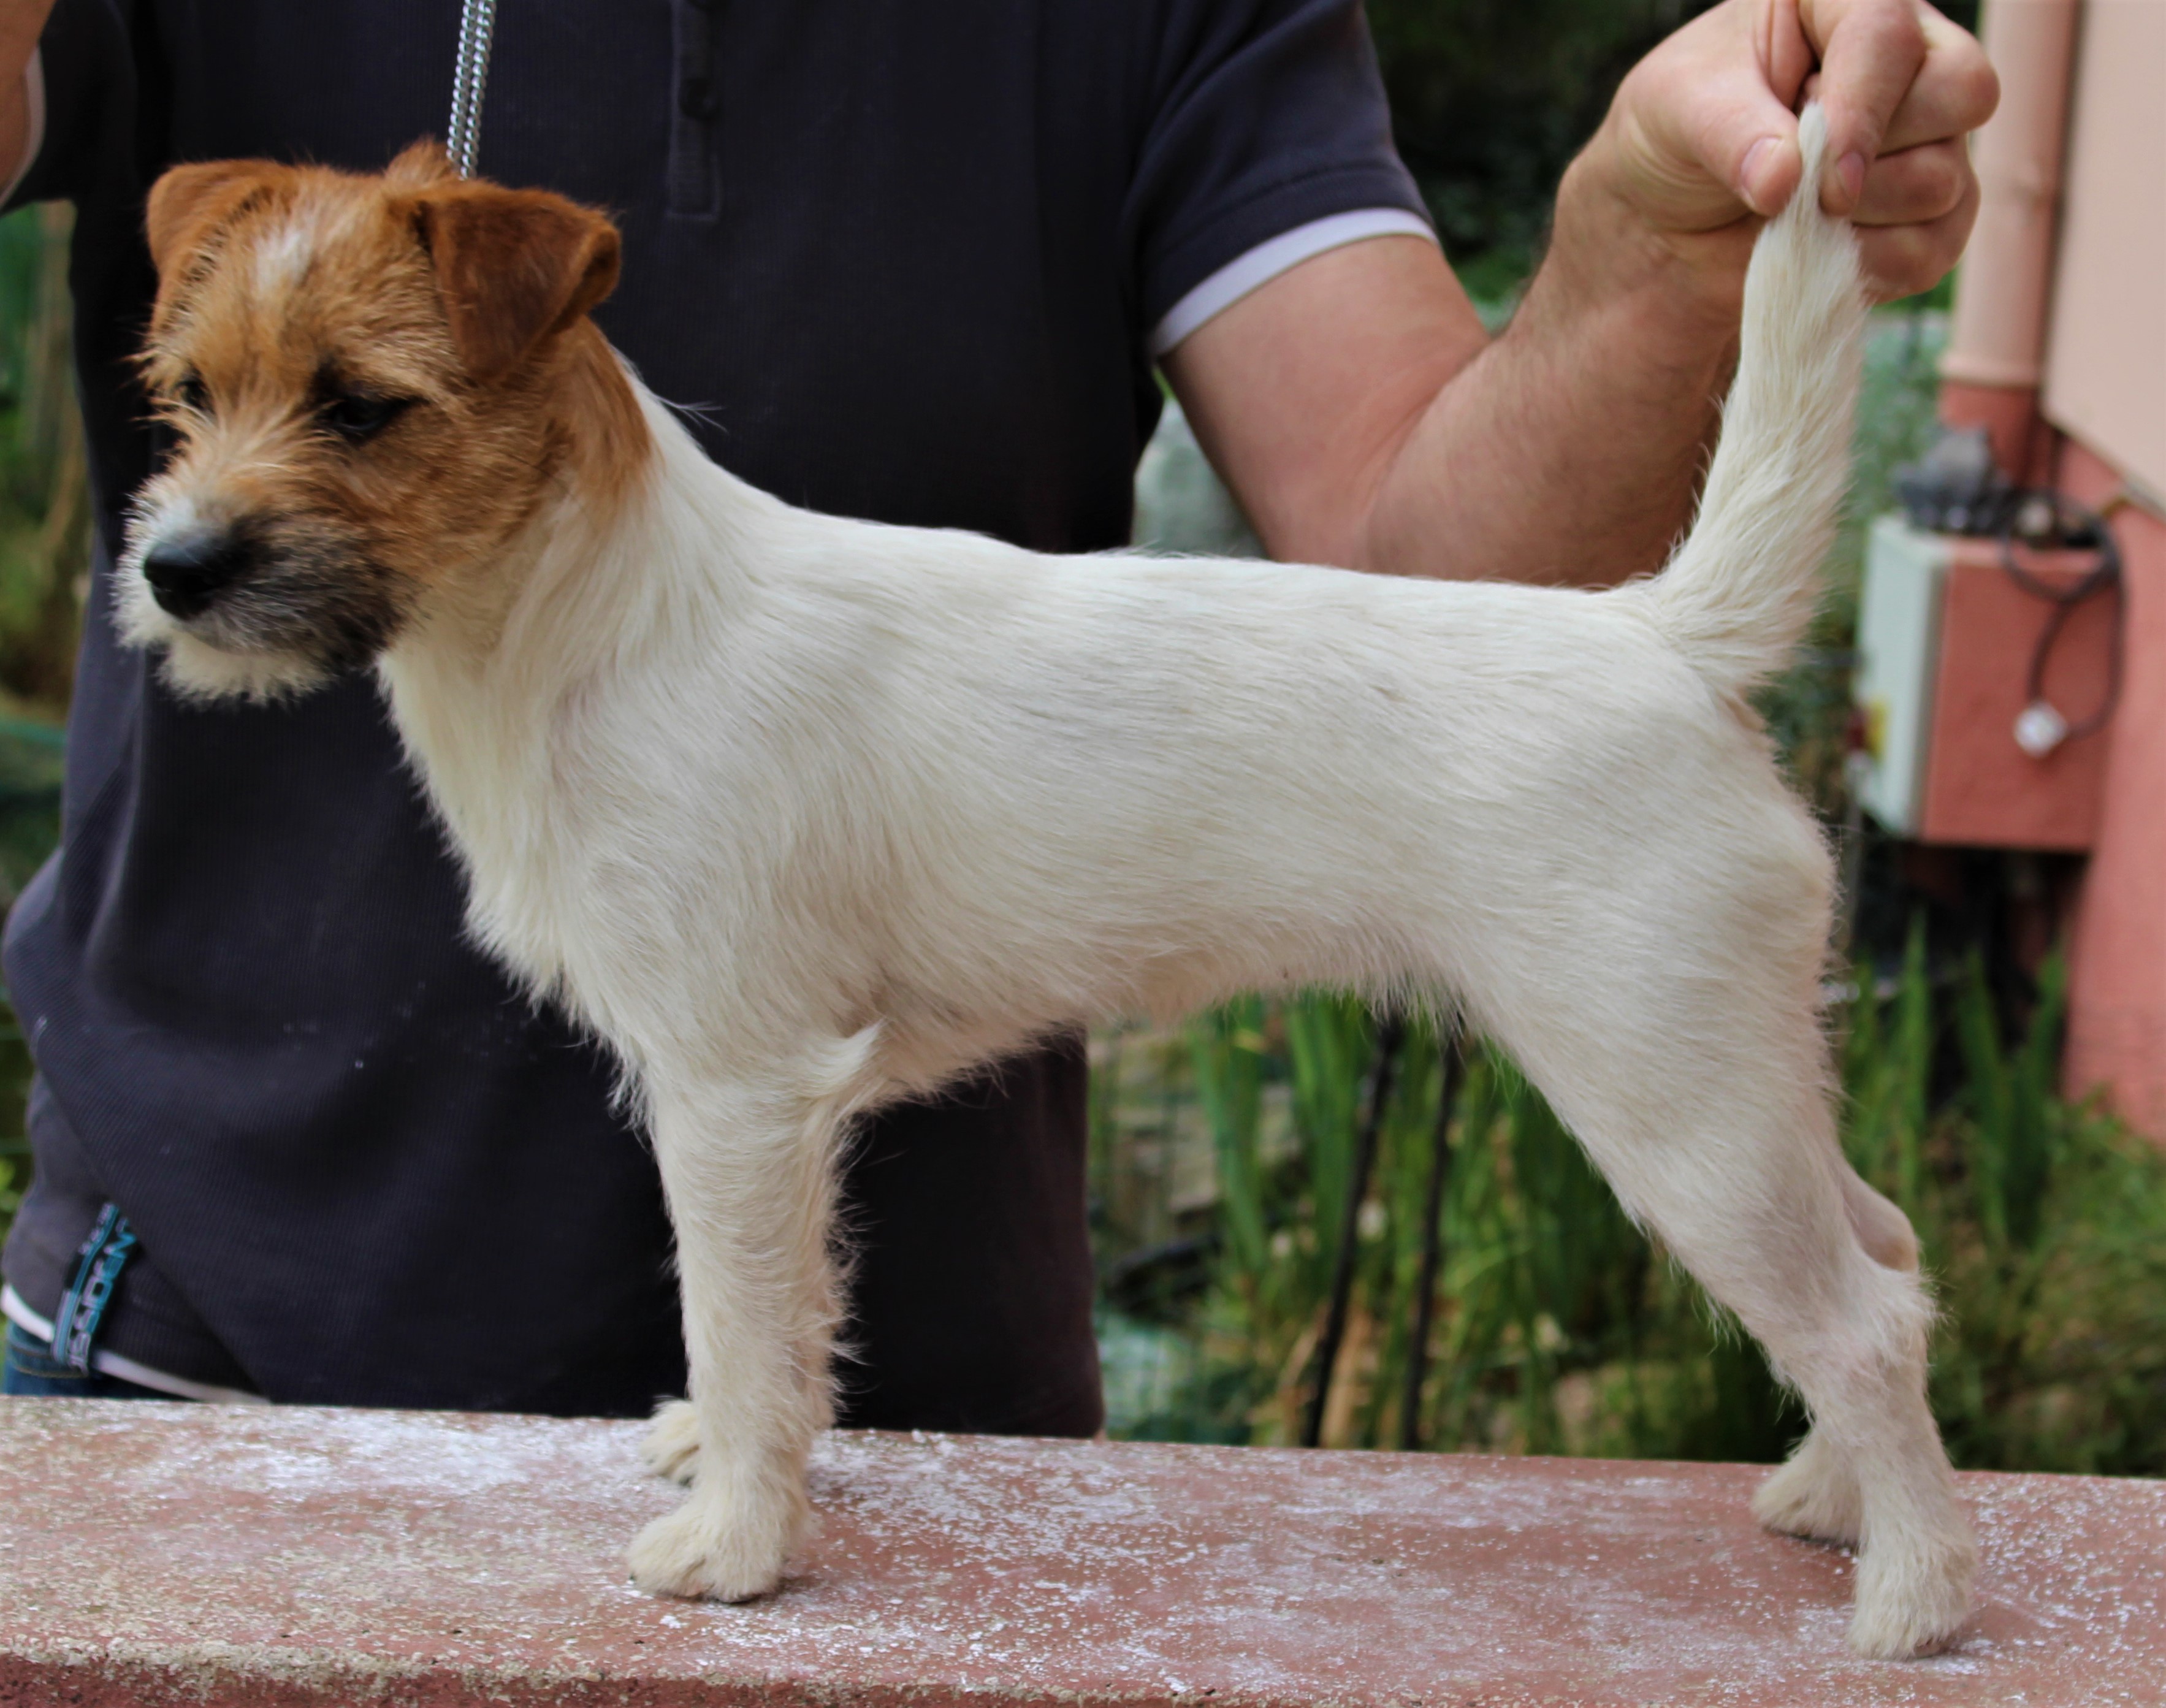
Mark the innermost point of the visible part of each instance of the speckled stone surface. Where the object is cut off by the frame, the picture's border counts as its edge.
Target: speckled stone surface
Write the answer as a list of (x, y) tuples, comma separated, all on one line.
[(152, 1554)]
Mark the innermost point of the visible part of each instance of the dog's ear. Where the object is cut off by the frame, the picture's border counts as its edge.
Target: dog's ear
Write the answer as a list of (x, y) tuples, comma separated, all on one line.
[(418, 165), (189, 203), (515, 267)]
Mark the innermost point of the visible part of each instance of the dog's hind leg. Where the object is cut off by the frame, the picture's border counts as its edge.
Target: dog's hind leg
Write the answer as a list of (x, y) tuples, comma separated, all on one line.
[(1816, 1493), (672, 1446), (749, 1171), (1703, 1098), (1881, 1227)]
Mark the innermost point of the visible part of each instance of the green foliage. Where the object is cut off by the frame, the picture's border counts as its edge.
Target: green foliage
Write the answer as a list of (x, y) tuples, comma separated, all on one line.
[(2041, 1220), (44, 555), (1561, 1328), (45, 510), (1491, 99)]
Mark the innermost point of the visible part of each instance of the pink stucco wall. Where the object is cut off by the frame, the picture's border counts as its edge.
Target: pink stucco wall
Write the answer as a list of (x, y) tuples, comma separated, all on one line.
[(2117, 991), (2105, 357), (2105, 391), (1981, 788)]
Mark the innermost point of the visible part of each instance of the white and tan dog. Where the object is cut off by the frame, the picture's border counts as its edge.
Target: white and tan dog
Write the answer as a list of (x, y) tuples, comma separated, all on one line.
[(804, 815)]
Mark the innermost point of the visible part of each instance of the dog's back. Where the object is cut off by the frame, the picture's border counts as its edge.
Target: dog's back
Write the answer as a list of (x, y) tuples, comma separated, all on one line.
[(1131, 763)]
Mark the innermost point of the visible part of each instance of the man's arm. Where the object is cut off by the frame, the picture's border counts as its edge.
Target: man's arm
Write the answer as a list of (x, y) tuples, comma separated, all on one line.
[(1360, 414), (22, 22)]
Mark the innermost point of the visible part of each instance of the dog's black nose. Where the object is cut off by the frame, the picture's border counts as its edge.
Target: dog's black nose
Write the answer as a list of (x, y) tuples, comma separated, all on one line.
[(186, 574)]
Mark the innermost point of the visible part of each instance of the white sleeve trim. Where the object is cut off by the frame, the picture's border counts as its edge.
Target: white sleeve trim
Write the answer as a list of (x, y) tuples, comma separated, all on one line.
[(34, 120), (18, 1312), (1268, 260)]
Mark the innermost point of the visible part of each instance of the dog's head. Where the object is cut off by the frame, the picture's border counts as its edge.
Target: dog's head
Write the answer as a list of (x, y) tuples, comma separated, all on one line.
[(367, 377)]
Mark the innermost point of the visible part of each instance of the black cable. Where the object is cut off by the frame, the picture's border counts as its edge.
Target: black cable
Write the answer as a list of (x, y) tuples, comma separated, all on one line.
[(1389, 1036), (2067, 525), (1432, 1249)]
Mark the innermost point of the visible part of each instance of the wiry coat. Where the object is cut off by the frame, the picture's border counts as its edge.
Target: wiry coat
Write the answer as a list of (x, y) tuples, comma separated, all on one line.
[(803, 815)]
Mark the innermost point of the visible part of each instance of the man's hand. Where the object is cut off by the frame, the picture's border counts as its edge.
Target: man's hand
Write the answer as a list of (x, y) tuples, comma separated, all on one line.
[(1703, 133), (1361, 417), (22, 22)]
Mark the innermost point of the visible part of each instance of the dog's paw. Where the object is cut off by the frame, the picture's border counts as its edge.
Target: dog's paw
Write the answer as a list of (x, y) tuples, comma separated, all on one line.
[(706, 1551), (672, 1446), (1816, 1494), (1913, 1599)]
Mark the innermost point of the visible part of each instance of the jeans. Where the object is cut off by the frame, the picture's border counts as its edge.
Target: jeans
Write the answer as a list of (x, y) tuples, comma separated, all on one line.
[(31, 1369)]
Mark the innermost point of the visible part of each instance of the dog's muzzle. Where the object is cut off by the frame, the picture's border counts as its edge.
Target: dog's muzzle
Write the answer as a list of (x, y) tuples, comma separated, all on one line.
[(185, 575)]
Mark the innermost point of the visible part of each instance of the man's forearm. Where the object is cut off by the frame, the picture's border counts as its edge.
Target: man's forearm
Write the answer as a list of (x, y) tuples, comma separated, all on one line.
[(1409, 443), (1570, 449), (22, 22), (1358, 412)]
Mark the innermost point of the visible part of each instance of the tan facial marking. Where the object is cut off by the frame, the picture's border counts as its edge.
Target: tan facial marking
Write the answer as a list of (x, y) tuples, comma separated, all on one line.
[(375, 382)]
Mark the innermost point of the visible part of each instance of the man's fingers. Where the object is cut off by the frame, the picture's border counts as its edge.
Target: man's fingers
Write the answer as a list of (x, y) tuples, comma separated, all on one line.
[(1916, 186), (1704, 129), (1755, 152), (1900, 261), (1954, 94), (1870, 53)]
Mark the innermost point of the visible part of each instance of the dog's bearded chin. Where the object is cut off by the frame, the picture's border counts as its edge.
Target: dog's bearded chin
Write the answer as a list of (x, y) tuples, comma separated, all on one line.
[(199, 668)]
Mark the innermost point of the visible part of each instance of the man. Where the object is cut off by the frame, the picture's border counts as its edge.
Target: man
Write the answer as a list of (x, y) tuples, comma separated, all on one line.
[(908, 268)]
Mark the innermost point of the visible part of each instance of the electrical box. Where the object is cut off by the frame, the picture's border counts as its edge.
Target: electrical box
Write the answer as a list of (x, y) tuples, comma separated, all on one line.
[(1947, 640), (1899, 644)]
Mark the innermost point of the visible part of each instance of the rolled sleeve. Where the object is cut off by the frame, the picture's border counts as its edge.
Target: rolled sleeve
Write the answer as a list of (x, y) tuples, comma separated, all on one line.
[(1275, 255)]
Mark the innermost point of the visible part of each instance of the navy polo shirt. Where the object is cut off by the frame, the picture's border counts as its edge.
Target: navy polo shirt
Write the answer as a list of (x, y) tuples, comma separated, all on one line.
[(903, 261)]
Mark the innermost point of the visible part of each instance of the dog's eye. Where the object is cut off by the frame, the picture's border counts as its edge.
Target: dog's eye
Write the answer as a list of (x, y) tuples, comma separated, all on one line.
[(357, 417), (193, 395)]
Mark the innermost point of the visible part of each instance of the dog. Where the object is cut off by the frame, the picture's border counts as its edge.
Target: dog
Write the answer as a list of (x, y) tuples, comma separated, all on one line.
[(804, 815)]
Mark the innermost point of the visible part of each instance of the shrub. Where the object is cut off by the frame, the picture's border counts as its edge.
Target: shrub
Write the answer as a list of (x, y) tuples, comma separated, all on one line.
[(1560, 1327)]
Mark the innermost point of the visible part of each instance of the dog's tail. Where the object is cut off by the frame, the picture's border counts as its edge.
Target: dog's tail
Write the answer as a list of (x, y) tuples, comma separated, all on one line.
[(1738, 592)]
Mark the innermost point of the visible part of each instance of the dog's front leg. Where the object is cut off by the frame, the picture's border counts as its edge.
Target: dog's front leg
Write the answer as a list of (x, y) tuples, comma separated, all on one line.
[(749, 1173)]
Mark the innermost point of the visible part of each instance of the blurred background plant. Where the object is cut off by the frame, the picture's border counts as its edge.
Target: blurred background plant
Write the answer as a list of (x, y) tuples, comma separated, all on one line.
[(44, 518), (1222, 1153)]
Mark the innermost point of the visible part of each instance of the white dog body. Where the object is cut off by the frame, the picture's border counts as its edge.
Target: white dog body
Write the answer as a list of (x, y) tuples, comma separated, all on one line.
[(804, 815), (930, 785)]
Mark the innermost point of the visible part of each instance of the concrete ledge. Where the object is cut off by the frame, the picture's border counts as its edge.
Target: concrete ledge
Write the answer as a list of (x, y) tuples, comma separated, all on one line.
[(154, 1554)]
